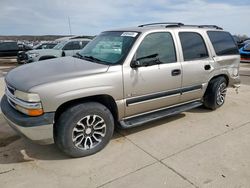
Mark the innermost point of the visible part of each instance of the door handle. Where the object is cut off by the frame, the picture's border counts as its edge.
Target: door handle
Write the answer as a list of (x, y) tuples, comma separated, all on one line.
[(207, 67), (176, 72)]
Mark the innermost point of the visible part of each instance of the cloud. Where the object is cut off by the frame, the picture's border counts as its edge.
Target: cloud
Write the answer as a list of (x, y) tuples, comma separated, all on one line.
[(94, 16)]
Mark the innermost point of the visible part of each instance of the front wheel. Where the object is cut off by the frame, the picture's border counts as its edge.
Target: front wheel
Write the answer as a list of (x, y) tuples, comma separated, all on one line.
[(84, 129), (215, 94)]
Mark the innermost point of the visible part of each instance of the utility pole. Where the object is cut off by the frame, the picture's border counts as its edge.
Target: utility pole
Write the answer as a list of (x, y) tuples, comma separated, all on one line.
[(70, 32)]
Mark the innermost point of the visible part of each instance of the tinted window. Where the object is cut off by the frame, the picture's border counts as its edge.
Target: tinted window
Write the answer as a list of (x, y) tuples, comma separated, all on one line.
[(223, 43), (8, 46), (49, 46), (73, 45), (193, 46), (157, 45)]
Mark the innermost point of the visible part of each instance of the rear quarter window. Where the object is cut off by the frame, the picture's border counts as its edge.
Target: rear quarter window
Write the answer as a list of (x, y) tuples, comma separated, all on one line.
[(223, 43)]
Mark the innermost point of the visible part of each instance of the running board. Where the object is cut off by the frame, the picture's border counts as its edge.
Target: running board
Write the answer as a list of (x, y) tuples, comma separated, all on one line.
[(146, 118)]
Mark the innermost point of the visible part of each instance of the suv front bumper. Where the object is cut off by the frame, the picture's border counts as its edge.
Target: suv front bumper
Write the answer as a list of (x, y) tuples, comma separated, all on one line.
[(38, 129)]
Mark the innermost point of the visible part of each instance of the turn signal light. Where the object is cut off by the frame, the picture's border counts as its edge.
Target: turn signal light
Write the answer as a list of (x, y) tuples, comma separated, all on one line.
[(35, 112)]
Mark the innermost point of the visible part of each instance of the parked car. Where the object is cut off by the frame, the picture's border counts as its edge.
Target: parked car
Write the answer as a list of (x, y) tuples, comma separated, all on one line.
[(11, 48), (21, 55), (126, 78), (65, 48), (245, 53), (243, 43)]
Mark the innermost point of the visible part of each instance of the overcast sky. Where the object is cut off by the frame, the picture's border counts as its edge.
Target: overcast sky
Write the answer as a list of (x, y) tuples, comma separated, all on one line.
[(90, 17)]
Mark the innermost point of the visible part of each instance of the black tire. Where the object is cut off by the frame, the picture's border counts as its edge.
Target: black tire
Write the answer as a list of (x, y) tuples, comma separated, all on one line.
[(211, 97), (73, 119)]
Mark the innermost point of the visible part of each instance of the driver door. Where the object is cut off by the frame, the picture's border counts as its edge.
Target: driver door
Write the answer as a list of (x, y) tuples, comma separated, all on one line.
[(155, 82)]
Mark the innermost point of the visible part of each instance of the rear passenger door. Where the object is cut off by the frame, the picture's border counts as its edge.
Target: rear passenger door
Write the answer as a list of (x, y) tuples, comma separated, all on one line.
[(196, 65)]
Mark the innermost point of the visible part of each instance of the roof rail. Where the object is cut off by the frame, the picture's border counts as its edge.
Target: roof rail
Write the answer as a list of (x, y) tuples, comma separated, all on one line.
[(171, 24), (177, 24), (210, 26)]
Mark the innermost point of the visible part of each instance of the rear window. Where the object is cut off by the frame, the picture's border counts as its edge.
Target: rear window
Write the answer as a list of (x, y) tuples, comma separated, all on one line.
[(223, 43)]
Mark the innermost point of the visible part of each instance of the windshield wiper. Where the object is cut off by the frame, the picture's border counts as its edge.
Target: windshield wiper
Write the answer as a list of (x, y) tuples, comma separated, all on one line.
[(77, 55), (94, 59)]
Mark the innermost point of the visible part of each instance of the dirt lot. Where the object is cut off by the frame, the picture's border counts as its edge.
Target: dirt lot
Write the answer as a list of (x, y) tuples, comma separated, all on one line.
[(198, 148)]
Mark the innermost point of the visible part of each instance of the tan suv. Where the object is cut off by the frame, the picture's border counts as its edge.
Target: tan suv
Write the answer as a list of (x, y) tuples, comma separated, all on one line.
[(125, 77)]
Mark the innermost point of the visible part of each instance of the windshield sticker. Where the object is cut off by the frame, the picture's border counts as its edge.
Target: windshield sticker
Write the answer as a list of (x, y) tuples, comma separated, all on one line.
[(129, 34)]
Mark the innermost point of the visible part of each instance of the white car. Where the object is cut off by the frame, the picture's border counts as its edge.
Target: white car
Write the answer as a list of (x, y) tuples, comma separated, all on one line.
[(65, 48)]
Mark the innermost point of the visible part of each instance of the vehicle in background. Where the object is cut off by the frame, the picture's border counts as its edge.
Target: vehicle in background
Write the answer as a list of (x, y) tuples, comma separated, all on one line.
[(243, 43), (64, 48), (11, 48), (237, 40), (245, 53), (21, 55)]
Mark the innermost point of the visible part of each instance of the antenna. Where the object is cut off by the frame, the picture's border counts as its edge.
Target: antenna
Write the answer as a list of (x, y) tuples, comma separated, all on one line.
[(70, 32)]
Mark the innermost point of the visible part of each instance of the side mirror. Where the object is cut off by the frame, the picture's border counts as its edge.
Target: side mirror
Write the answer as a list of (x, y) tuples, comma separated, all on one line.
[(135, 64)]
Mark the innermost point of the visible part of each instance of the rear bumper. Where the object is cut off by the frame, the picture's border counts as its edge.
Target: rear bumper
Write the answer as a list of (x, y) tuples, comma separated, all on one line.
[(234, 82), (38, 129)]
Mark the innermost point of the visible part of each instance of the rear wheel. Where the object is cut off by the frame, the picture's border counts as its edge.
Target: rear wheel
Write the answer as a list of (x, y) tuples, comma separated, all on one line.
[(215, 94), (84, 129)]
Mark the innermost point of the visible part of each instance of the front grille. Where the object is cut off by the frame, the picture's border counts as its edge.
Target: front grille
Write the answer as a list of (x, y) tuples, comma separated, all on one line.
[(10, 95), (11, 89)]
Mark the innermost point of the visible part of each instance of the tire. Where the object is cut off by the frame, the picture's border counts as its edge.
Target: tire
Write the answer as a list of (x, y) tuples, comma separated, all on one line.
[(215, 94), (84, 129)]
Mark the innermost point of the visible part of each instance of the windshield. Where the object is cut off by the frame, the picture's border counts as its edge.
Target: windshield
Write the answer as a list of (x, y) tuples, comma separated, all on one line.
[(60, 45), (109, 47)]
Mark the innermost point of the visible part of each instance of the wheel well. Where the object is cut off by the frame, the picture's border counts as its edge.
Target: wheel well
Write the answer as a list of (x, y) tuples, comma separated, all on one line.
[(106, 100), (46, 57), (221, 75)]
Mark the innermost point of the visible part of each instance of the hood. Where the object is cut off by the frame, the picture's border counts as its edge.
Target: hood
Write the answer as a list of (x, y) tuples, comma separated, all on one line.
[(27, 76)]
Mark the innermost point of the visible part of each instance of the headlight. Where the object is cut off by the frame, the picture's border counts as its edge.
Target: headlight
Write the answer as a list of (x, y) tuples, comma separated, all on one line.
[(28, 103), (32, 55), (29, 97)]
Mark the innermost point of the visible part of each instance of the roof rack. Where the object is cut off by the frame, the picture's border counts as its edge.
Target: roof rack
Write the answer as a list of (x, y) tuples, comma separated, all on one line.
[(210, 26), (177, 24), (168, 24)]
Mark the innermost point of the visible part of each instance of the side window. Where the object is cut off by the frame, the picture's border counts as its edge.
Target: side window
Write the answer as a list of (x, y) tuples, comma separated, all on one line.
[(193, 46), (1, 46), (73, 45), (223, 43), (10, 46), (83, 43), (77, 45), (158, 46)]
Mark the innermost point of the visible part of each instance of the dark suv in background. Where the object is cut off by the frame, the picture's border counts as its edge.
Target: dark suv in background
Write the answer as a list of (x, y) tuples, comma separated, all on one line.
[(11, 48)]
